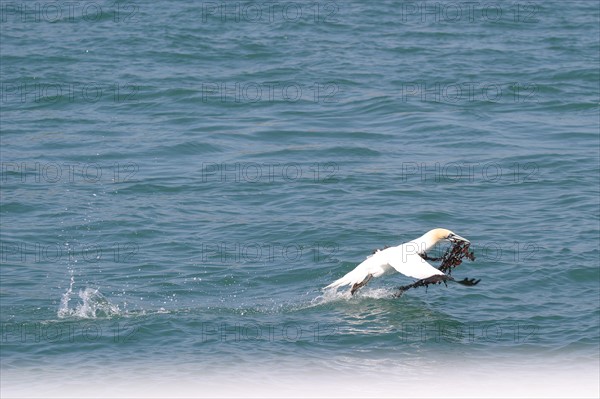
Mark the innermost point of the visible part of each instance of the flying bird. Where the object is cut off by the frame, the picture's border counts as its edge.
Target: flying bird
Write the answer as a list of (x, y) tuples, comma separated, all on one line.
[(408, 258)]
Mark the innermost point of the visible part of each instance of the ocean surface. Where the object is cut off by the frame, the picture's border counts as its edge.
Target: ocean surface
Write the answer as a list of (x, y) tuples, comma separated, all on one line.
[(181, 179)]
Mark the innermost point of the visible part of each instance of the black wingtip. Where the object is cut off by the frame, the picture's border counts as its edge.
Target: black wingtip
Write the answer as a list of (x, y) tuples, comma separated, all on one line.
[(469, 282)]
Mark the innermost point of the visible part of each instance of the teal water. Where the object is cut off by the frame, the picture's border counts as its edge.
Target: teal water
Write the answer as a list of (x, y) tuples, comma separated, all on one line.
[(179, 181)]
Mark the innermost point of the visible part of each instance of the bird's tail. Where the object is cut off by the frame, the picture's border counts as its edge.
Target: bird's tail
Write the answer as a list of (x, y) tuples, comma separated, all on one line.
[(338, 283), (350, 278)]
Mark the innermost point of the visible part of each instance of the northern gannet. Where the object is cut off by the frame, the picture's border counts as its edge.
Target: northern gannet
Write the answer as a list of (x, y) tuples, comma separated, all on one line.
[(408, 258)]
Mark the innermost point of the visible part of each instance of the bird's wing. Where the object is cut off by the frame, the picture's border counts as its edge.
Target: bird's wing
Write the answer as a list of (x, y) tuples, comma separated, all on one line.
[(410, 264), (374, 265)]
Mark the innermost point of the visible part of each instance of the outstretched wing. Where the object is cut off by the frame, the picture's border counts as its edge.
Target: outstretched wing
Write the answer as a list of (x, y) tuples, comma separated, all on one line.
[(410, 264), (451, 258), (469, 282), (374, 265)]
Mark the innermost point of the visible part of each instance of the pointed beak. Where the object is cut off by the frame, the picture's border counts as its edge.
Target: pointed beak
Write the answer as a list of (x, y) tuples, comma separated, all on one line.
[(457, 238)]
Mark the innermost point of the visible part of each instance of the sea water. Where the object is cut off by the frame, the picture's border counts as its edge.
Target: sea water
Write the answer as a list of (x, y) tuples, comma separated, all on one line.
[(180, 180)]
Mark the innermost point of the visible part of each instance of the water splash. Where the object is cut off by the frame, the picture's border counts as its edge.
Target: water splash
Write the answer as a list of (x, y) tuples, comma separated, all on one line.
[(92, 305), (329, 296), (63, 309)]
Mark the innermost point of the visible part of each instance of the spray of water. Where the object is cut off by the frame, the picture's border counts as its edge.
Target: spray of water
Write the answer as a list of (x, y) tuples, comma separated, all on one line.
[(92, 304)]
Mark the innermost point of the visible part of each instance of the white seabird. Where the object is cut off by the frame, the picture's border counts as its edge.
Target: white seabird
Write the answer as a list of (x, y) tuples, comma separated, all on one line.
[(407, 258)]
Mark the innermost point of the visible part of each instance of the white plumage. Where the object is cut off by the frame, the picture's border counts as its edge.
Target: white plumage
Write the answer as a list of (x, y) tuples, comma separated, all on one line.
[(405, 258)]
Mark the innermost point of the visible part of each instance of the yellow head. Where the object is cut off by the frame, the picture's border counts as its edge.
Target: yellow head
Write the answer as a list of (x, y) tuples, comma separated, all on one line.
[(444, 234)]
